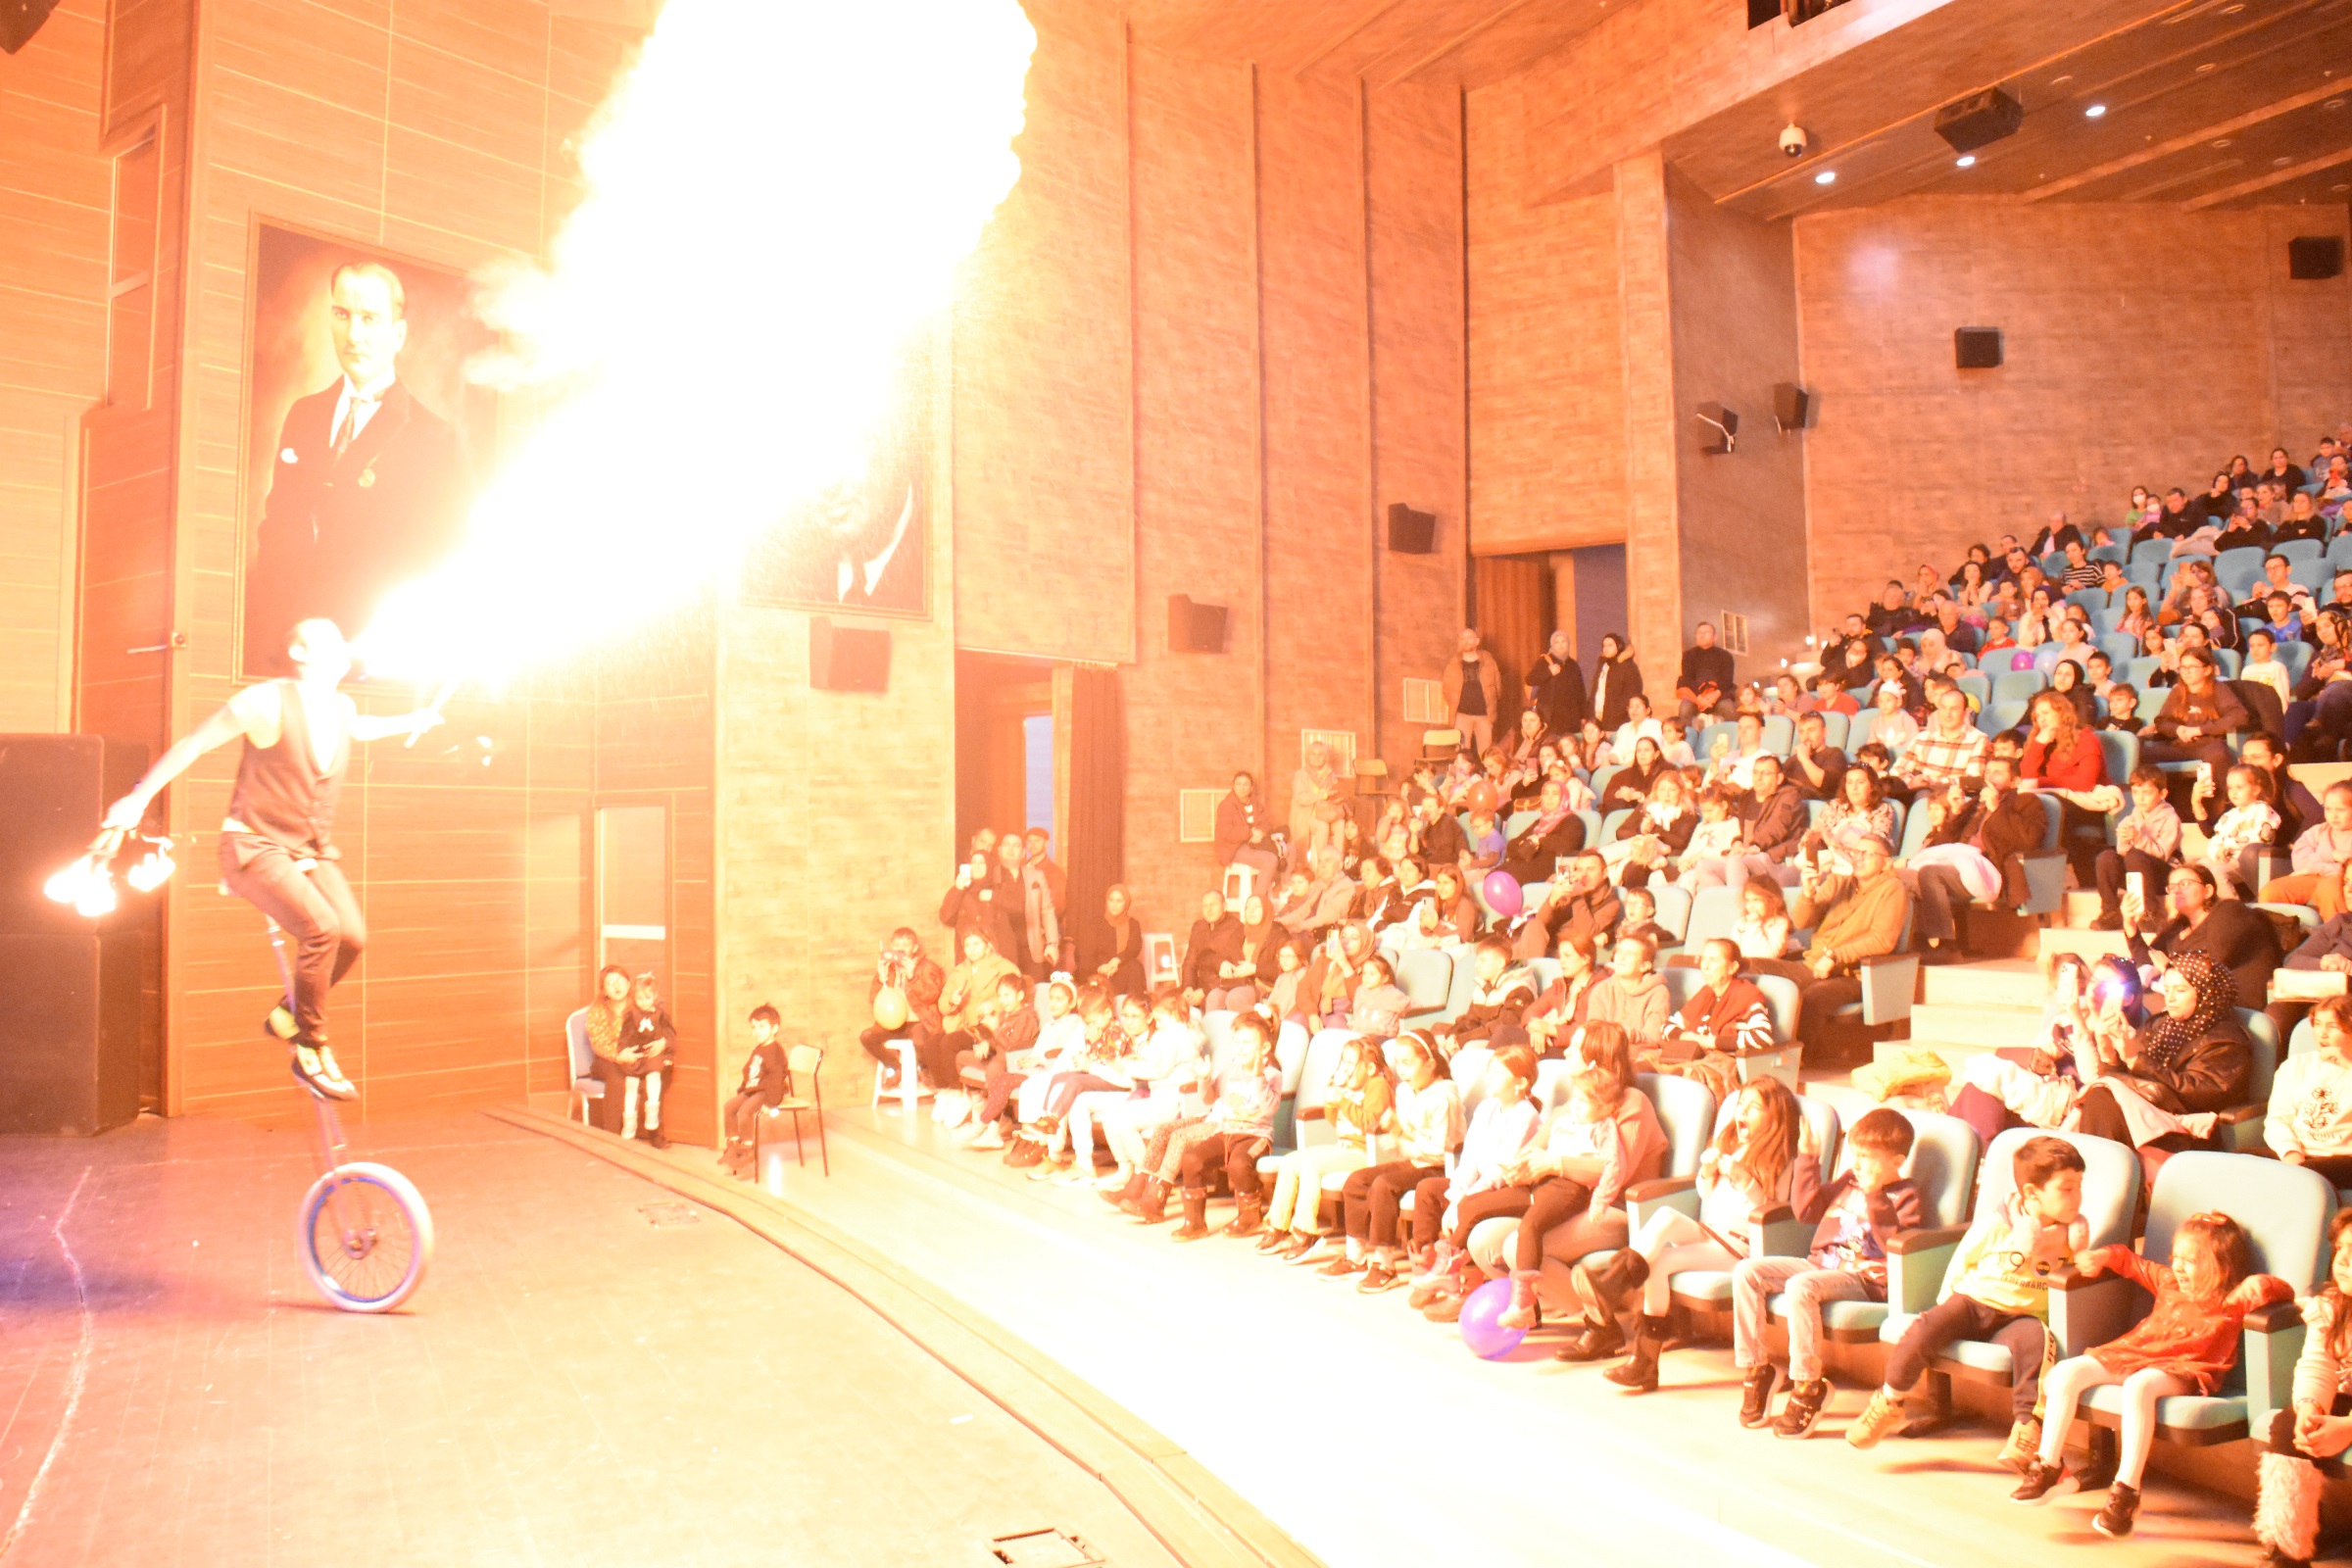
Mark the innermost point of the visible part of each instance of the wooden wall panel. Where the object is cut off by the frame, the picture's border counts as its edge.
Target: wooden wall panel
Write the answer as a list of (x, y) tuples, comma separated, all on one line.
[(2143, 346), (55, 194)]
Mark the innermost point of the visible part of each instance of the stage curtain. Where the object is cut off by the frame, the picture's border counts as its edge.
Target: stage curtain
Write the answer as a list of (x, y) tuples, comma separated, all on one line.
[(1098, 789)]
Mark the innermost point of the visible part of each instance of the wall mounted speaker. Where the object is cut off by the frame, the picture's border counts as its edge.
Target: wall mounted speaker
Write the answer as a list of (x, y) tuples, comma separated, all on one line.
[(1195, 628), (19, 20), (847, 659), (1792, 406), (2314, 257), (1976, 348), (1410, 533), (1718, 430), (1978, 119)]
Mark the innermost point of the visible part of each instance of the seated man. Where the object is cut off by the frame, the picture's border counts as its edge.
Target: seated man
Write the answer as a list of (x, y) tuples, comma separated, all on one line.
[(1949, 750), (1816, 768), (914, 983), (1707, 677), (1585, 904), (1773, 819), (1853, 918), (1733, 761)]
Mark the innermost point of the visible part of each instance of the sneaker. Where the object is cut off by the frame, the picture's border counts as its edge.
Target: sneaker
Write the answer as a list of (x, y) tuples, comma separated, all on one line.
[(991, 1137), (1340, 1267), (314, 1066), (1804, 1407), (1378, 1277), (280, 1025), (2023, 1447), (1305, 1251), (1877, 1419), (1755, 1394), (2044, 1480), (1050, 1168), (2123, 1506), (1074, 1175)]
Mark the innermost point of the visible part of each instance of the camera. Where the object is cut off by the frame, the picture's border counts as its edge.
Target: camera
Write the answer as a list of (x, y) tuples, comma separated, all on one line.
[(1794, 141)]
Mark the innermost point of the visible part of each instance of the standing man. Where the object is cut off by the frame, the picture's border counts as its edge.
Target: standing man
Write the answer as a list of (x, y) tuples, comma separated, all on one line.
[(277, 852), (1555, 688), (1473, 692), (369, 488), (1706, 681)]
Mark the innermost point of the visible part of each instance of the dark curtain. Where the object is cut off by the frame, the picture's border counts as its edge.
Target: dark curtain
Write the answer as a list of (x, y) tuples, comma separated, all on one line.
[(1514, 621), (1097, 791)]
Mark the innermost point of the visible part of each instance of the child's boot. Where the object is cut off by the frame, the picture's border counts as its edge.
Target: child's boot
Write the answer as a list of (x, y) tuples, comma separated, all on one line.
[(1522, 1313), (2286, 1507), (1427, 1284), (1152, 1205), (1639, 1372), (2115, 1521), (1597, 1341), (1252, 1213), (1125, 1198), (1196, 1214)]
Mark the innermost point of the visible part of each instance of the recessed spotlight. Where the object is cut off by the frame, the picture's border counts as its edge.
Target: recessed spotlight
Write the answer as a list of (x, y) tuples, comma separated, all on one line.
[(2282, 162), (1965, 161), (2094, 110), (1828, 176), (2220, 141), (2333, 102), (2208, 66), (2341, 187), (2060, 82)]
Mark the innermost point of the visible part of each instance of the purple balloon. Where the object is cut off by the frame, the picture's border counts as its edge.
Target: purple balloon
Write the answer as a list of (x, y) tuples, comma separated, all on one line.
[(1504, 895), (1487, 1340)]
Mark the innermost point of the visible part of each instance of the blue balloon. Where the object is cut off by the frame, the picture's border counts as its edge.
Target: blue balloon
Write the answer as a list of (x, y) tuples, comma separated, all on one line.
[(1503, 893), (1487, 1340)]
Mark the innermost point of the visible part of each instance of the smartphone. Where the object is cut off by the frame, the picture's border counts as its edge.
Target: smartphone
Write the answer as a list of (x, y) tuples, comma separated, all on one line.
[(2137, 883), (2204, 773)]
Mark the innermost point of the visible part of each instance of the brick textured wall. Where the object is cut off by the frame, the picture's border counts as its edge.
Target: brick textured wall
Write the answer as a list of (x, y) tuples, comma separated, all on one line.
[(2143, 346)]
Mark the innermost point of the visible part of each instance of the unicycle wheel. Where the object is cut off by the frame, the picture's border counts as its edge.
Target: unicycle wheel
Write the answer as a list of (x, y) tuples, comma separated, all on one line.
[(365, 1236)]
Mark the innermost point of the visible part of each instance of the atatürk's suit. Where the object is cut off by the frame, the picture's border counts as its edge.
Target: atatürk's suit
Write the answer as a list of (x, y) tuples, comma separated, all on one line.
[(338, 532)]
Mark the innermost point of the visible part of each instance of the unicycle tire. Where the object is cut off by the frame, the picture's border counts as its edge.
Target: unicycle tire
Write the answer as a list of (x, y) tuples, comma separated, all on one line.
[(365, 1236)]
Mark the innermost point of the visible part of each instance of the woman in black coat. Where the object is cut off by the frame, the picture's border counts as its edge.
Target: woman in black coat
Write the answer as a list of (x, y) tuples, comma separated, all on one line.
[(1110, 946), (1556, 831), (2191, 1058), (1615, 677), (2238, 937)]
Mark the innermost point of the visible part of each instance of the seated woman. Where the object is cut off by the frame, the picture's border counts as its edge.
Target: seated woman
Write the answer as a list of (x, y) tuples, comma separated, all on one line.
[(1262, 939), (1384, 900), (1458, 917), (1245, 830), (1654, 837), (1558, 1011), (1111, 949), (2063, 758), (1638, 724), (1335, 973), (1996, 1090), (1557, 833), (1360, 1105), (2310, 1120), (1603, 1138), (1860, 811), (2160, 1086), (1761, 932), (971, 987), (2226, 930), (1631, 784), (605, 1010), (648, 1056), (1315, 805)]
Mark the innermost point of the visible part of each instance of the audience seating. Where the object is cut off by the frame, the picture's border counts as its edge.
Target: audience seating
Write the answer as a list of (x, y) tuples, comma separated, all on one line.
[(1944, 1167)]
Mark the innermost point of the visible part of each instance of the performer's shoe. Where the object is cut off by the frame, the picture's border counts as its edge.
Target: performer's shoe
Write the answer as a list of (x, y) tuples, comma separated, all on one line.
[(280, 1024), (314, 1065)]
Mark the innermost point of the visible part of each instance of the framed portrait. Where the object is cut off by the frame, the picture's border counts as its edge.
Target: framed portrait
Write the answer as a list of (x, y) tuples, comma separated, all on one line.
[(863, 544), (363, 436)]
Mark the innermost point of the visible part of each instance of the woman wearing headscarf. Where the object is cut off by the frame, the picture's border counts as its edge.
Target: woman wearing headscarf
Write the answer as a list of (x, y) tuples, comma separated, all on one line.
[(1556, 831), (1994, 1091), (2161, 1084), (1615, 677), (1110, 946)]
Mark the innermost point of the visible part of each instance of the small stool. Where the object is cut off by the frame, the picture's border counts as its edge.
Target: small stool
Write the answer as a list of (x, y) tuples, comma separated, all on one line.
[(911, 1091), (1241, 881)]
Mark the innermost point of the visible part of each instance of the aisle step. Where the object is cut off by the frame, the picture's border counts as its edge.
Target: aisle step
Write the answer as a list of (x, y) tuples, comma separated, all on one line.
[(1989, 982), (2090, 944), (1976, 1027)]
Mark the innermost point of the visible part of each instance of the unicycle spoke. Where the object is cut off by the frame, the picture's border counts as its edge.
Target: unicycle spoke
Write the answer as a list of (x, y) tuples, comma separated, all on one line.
[(362, 1240)]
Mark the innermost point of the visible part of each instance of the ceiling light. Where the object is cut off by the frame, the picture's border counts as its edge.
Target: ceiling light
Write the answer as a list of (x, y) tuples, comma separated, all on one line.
[(2282, 162), (2060, 82), (1828, 176), (2333, 102), (2207, 65), (2341, 187), (2220, 141), (2094, 110), (1966, 161)]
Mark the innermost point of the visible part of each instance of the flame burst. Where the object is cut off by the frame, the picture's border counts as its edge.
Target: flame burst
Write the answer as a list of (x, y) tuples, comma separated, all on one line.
[(778, 196)]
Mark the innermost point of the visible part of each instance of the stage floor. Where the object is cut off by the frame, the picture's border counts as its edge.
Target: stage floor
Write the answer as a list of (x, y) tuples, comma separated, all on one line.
[(592, 1373), (1377, 1442)]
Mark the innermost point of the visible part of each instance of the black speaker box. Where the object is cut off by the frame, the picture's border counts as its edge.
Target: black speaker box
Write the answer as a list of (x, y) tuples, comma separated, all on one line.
[(53, 791), (69, 1034), (1195, 628), (2314, 257), (1976, 348), (1718, 430), (1792, 406), (848, 658), (1410, 533), (19, 20), (1978, 119)]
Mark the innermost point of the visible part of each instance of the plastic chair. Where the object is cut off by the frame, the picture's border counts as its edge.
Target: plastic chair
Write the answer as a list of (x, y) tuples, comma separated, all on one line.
[(909, 1092), (1674, 909), (585, 1085), (1713, 912), (1833, 727), (2018, 685), (805, 1064), (2284, 1210)]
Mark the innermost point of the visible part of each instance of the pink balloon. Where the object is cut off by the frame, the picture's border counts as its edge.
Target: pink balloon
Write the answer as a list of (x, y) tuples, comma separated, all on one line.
[(1503, 893), (1487, 1340)]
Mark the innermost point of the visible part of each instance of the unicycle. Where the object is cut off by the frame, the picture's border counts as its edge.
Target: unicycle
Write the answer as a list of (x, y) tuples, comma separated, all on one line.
[(364, 1234)]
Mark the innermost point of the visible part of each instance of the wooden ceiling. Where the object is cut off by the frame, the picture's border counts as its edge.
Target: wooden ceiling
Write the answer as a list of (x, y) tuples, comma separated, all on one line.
[(1466, 42), (2206, 103)]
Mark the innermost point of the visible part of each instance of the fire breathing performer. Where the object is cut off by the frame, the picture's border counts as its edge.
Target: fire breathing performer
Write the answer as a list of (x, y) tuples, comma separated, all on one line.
[(277, 852)]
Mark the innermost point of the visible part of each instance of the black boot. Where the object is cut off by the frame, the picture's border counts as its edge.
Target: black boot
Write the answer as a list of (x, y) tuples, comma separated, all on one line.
[(1196, 1214), (1252, 1214), (1596, 1342), (1639, 1372), (1611, 1287)]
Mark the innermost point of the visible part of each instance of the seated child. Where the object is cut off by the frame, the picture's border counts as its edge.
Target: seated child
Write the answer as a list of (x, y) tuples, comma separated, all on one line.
[(1429, 1126), (2263, 664), (1169, 1066), (2185, 1345), (2002, 1293), (1500, 992), (1502, 1126), (1050, 1040), (1237, 1129), (1641, 918), (648, 1054), (2318, 1424), (1853, 1216), (1746, 1170), (765, 1081), (1715, 836), (1360, 1105), (1487, 843)]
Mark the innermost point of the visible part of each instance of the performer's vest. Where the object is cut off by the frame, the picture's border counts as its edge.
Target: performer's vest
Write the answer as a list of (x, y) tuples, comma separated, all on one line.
[(280, 793)]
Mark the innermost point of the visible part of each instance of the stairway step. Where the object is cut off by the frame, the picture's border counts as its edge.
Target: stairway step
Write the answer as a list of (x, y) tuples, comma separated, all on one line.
[(2090, 944), (1991, 982), (2080, 908), (1953, 1052), (1984, 1027)]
